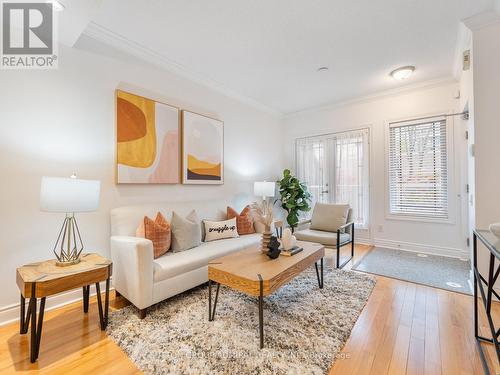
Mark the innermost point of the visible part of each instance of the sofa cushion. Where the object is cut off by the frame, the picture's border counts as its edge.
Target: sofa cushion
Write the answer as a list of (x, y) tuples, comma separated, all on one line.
[(158, 231), (244, 220), (173, 264), (329, 217), (218, 230), (186, 232), (322, 237)]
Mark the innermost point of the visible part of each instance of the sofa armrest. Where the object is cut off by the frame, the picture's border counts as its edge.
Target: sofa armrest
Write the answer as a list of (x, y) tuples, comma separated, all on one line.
[(133, 269)]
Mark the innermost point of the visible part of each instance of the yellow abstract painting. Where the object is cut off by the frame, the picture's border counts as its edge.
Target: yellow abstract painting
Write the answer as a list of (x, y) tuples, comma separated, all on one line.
[(147, 140)]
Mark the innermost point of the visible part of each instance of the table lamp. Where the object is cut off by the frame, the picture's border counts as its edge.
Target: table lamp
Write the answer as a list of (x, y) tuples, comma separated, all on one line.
[(264, 189), (69, 195)]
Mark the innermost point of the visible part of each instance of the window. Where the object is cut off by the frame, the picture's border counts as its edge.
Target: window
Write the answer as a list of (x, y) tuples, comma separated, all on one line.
[(418, 169), (339, 161)]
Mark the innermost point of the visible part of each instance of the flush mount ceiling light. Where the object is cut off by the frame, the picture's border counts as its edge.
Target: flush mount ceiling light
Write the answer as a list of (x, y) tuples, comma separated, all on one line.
[(57, 5), (403, 73), (322, 69)]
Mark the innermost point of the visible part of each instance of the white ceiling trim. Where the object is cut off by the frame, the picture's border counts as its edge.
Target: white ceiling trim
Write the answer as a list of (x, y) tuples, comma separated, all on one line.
[(102, 34), (484, 19), (377, 96)]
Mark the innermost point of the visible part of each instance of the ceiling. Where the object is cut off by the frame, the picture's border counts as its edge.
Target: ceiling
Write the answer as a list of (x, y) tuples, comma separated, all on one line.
[(269, 50)]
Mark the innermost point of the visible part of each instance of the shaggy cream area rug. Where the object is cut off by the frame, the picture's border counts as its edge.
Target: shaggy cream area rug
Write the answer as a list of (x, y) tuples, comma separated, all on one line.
[(304, 328)]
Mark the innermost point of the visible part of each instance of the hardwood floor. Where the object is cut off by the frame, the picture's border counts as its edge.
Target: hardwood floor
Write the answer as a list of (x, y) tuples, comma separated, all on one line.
[(405, 328)]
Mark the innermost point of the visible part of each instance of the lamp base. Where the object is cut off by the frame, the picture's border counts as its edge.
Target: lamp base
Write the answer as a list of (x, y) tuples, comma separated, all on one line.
[(69, 242), (68, 263)]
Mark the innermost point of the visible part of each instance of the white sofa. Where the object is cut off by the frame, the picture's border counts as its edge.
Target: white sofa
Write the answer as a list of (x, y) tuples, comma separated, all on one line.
[(145, 281)]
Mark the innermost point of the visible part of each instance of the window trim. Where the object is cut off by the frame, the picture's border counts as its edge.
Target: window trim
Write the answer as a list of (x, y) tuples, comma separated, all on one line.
[(452, 175)]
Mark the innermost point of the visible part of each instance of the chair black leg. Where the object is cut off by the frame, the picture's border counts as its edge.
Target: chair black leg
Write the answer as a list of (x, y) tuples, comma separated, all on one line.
[(352, 240), (338, 250)]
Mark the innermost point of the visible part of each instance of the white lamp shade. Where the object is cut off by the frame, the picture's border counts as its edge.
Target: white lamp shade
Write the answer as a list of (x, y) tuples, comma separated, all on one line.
[(69, 195), (264, 189)]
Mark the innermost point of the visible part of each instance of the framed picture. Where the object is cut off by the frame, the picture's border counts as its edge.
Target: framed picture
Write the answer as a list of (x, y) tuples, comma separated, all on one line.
[(202, 149), (147, 141)]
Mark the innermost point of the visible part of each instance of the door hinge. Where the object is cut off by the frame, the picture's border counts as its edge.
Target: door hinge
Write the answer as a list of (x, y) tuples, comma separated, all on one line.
[(468, 241), (466, 134), (467, 188)]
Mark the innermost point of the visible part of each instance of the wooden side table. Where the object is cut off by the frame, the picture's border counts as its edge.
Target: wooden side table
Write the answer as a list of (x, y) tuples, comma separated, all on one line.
[(42, 279)]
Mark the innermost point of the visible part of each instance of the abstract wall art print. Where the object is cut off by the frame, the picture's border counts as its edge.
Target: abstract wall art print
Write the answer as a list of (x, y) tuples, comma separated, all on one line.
[(147, 141), (202, 149)]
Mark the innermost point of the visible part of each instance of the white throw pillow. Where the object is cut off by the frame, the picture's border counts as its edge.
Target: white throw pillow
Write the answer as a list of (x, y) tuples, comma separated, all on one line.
[(186, 232), (217, 230)]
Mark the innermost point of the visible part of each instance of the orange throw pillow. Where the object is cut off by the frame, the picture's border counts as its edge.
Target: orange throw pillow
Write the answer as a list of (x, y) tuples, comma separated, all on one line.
[(244, 221), (158, 231)]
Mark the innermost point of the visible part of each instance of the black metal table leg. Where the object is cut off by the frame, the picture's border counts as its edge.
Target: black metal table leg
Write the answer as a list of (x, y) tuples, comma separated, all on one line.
[(86, 293), (261, 311), (209, 300), (33, 324), (99, 306), (474, 266), (25, 315), (486, 293), (22, 315), (39, 328), (211, 311), (106, 304), (318, 275)]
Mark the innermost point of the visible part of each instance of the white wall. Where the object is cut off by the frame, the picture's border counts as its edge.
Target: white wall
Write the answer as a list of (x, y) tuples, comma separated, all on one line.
[(58, 122), (375, 113), (486, 59)]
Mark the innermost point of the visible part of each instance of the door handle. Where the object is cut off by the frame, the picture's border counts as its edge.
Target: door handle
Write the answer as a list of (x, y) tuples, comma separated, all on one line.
[(325, 192)]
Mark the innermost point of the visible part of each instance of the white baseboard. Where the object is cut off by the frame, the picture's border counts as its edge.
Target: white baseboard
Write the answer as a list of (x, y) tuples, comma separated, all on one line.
[(363, 241), (421, 248), (10, 313)]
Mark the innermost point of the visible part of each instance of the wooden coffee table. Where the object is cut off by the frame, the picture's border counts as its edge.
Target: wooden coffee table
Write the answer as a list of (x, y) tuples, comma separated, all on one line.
[(252, 272), (43, 279)]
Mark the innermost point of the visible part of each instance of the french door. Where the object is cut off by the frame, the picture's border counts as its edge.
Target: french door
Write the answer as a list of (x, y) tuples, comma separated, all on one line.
[(335, 167)]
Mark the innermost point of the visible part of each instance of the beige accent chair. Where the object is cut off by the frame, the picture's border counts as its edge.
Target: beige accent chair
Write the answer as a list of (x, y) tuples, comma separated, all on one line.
[(331, 225)]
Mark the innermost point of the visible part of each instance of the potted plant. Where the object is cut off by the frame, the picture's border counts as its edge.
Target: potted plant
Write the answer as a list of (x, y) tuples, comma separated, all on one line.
[(294, 197)]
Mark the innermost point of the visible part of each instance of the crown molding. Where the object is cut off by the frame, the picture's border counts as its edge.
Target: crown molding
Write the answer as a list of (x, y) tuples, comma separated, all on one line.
[(104, 35), (484, 19), (377, 96)]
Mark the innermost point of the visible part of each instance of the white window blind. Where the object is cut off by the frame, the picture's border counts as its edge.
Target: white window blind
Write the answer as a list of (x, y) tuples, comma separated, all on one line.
[(335, 168), (418, 169)]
